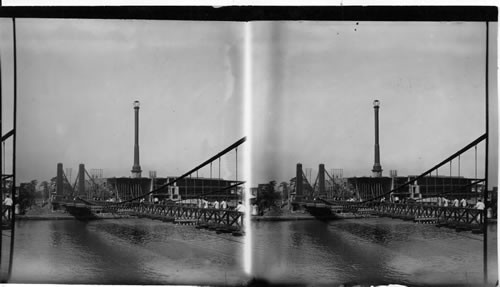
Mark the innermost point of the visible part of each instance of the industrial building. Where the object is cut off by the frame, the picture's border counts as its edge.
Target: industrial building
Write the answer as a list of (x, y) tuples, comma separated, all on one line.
[(196, 187), (429, 186), (125, 188)]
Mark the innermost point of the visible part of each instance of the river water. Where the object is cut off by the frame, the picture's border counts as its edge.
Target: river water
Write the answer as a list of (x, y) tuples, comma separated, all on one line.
[(124, 251), (144, 251), (370, 251)]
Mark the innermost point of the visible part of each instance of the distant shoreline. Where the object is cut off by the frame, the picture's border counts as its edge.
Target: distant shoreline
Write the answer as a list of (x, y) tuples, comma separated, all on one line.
[(44, 217), (68, 217)]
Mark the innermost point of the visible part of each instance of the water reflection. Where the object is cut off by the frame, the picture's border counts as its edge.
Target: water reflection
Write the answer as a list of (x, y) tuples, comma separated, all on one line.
[(142, 251), (131, 251), (376, 251)]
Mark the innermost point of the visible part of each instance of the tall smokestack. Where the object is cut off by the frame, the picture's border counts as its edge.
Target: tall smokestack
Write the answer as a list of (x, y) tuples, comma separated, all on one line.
[(136, 168), (377, 168)]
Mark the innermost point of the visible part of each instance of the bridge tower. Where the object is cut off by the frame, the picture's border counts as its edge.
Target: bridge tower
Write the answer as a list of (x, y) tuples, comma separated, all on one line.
[(377, 168), (136, 168), (321, 178), (59, 180), (298, 183), (81, 181)]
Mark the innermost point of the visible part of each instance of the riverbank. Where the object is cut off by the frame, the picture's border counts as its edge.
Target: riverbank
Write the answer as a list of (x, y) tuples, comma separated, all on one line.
[(65, 216), (45, 213), (58, 216)]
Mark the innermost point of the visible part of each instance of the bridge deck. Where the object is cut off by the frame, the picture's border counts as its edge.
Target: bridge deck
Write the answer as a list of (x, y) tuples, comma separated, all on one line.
[(222, 219), (455, 217)]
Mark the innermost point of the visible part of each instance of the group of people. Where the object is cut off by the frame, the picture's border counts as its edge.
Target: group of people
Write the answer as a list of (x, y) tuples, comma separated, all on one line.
[(445, 202), (215, 204), (454, 203), (202, 203), (460, 203), (222, 205)]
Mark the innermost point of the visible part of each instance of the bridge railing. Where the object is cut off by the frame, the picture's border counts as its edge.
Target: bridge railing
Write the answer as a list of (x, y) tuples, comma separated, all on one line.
[(460, 215), (225, 217), (443, 214)]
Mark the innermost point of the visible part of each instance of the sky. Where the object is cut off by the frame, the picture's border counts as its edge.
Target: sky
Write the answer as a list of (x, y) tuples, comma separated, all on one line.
[(78, 79), (313, 86), (318, 82)]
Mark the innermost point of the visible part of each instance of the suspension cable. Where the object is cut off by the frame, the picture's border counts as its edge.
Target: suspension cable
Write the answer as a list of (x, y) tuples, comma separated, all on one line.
[(436, 167), (231, 147)]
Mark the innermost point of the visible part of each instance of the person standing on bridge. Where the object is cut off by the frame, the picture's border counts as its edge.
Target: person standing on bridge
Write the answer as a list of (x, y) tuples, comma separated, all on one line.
[(205, 204), (396, 199), (216, 204), (445, 202), (240, 207), (455, 202), (8, 206), (463, 202), (479, 205), (223, 204)]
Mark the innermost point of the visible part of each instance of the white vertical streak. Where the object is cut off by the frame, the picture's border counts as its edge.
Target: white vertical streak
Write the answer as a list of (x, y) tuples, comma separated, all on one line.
[(247, 128)]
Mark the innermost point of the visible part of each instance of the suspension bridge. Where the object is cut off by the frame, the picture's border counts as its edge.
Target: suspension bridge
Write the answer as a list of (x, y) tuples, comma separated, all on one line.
[(134, 198), (424, 198)]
